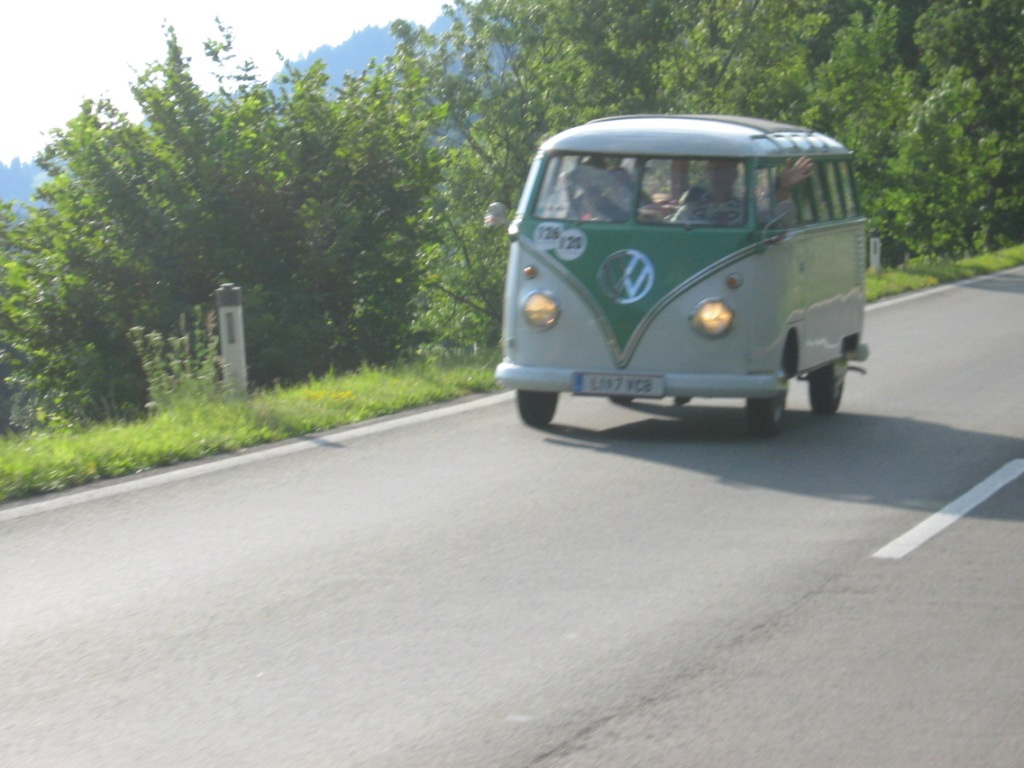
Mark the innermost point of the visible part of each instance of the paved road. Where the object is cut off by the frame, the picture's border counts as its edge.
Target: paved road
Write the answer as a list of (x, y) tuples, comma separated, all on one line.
[(637, 586)]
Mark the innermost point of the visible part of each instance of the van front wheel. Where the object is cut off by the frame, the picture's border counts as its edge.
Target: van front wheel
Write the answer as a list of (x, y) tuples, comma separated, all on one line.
[(536, 408), (826, 387)]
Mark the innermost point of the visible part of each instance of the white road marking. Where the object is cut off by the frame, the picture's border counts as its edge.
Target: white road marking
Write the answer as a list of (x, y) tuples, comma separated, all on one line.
[(952, 512)]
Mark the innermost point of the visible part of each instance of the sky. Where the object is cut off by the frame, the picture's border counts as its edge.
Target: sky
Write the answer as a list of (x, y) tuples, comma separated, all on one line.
[(58, 53)]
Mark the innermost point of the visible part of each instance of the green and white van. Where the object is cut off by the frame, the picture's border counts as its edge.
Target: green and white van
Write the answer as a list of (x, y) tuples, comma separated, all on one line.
[(684, 256)]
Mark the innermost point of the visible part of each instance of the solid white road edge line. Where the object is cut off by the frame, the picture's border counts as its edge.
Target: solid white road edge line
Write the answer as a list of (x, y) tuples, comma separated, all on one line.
[(952, 512), (155, 478)]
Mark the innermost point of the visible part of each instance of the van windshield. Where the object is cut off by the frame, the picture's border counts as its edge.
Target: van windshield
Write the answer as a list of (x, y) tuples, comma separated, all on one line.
[(688, 191)]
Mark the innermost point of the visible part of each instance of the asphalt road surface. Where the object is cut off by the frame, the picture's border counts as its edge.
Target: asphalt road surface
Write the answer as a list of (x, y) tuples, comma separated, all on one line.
[(636, 586)]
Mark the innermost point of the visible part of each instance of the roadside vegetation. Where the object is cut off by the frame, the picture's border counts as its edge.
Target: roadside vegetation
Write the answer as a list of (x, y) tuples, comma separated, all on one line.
[(927, 272), (195, 419), (202, 421)]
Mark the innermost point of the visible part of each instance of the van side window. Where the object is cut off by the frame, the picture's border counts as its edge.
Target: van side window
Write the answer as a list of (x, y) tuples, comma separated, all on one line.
[(771, 212), (803, 195), (834, 190), (822, 209), (849, 192)]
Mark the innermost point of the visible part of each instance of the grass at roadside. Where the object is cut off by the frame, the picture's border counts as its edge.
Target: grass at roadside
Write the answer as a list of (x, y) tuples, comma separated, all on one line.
[(925, 273), (48, 461)]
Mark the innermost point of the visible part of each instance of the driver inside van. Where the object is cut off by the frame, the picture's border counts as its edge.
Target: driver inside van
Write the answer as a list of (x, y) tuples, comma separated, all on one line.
[(720, 201), (715, 203)]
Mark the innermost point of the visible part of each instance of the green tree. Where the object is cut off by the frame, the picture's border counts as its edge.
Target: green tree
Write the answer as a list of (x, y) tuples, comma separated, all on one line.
[(972, 57), (490, 70), (863, 94), (308, 197), (914, 88), (7, 220), (743, 56), (945, 174)]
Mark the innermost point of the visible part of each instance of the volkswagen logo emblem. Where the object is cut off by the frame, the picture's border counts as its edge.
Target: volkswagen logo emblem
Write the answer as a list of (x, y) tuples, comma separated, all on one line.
[(626, 276)]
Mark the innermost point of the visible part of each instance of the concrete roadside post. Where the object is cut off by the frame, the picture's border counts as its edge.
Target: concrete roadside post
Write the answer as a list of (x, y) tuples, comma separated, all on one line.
[(232, 337), (875, 251)]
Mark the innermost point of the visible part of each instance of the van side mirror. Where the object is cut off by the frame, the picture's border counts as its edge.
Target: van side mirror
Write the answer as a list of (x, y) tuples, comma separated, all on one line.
[(496, 216)]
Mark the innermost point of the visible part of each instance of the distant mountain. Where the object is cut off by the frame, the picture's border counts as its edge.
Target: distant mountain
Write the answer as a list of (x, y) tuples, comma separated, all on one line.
[(18, 180), (355, 54)]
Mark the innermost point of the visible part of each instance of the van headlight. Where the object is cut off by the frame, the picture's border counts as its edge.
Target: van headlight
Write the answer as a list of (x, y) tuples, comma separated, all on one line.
[(540, 309), (713, 317)]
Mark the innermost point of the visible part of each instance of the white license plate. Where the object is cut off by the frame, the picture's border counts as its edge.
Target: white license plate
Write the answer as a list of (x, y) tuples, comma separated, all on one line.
[(624, 384)]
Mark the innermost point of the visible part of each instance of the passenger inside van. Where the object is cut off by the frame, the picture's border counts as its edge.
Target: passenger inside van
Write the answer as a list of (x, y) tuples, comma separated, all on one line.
[(778, 210)]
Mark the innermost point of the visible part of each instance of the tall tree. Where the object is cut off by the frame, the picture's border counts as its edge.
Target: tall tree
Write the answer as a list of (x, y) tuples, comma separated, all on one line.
[(308, 197), (743, 56), (863, 94), (972, 57)]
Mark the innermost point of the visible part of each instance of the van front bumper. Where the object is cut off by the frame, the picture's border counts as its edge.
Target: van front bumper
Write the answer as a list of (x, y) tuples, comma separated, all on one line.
[(747, 385)]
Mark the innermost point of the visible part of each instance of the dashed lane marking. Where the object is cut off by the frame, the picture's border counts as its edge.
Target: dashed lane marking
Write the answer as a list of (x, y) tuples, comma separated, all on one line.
[(952, 512)]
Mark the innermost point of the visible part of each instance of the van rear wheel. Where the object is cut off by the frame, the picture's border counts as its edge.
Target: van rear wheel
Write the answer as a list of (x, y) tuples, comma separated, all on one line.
[(826, 387), (536, 408)]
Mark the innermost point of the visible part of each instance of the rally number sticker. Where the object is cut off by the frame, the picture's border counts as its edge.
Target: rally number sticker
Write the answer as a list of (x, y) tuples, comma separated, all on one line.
[(568, 244), (548, 235), (571, 244)]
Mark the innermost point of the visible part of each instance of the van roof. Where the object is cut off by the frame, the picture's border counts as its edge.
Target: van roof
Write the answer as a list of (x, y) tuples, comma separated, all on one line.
[(700, 135)]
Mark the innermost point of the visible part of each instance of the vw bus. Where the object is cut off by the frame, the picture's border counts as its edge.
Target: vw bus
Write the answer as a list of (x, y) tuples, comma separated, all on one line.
[(684, 257)]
